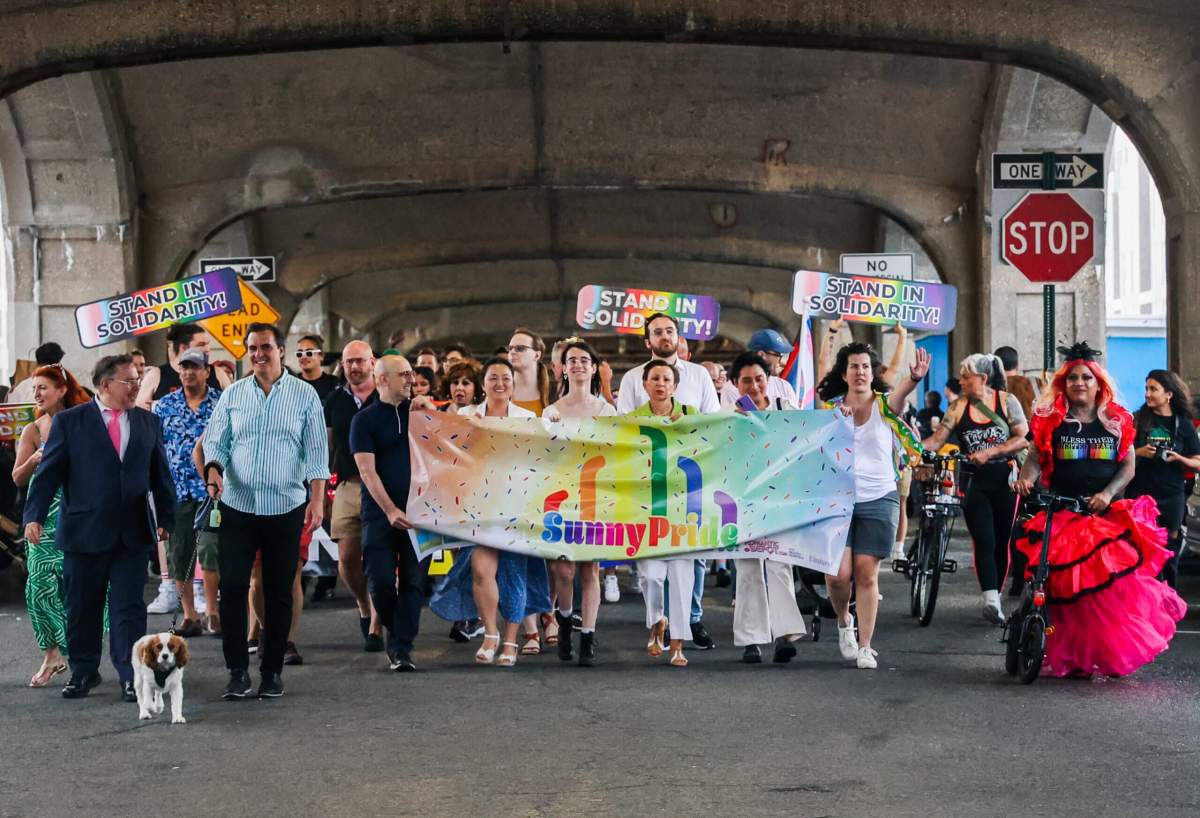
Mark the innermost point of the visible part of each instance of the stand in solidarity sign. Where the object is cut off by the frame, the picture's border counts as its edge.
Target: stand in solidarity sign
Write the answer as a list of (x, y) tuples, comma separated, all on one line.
[(915, 304), (771, 484), (625, 311), (137, 313)]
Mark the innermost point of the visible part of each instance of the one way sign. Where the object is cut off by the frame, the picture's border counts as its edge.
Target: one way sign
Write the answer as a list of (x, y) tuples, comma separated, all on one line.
[(256, 269), (1024, 170)]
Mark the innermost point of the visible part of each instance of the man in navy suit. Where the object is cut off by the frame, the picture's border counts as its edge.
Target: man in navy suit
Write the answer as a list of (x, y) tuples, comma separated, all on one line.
[(107, 456)]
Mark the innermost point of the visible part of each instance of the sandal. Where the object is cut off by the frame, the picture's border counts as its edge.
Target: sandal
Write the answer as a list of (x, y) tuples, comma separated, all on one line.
[(46, 674), (551, 629), (508, 659), (485, 656), (677, 657), (532, 645), (655, 646)]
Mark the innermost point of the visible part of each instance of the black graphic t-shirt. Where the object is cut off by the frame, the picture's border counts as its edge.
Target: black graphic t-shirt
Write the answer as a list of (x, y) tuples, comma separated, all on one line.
[(976, 431), (1153, 476), (1085, 458)]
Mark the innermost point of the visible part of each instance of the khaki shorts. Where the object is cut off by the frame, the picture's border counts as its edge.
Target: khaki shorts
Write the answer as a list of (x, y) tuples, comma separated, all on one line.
[(188, 545), (344, 520)]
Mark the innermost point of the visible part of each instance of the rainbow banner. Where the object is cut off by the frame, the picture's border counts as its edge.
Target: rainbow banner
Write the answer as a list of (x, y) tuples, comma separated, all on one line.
[(625, 311), (915, 304), (137, 313), (769, 484)]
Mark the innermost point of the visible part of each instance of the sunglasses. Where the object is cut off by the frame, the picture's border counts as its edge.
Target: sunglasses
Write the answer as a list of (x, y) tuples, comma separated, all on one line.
[(308, 353)]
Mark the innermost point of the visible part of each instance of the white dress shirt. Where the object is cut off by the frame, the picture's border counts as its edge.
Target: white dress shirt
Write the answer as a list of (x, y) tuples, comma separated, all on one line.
[(106, 415), (695, 388)]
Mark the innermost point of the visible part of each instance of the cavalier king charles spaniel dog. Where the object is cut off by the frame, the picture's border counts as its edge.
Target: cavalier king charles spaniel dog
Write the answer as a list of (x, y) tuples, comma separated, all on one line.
[(158, 662)]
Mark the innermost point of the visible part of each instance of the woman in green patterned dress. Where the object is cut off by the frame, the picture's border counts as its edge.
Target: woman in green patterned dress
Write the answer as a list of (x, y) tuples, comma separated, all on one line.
[(54, 389)]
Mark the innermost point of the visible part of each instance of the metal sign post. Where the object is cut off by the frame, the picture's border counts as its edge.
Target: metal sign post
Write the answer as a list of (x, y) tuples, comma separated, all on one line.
[(1047, 327)]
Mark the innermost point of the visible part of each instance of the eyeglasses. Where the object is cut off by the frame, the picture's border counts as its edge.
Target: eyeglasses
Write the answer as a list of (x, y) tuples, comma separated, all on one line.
[(407, 374), (584, 361), (518, 348), (308, 353), (130, 382)]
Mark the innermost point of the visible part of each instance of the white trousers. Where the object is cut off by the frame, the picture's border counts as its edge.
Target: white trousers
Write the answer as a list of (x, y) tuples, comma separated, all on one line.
[(651, 576), (766, 603)]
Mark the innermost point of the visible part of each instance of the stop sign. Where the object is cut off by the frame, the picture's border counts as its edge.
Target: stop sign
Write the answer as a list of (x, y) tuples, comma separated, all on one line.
[(1047, 236)]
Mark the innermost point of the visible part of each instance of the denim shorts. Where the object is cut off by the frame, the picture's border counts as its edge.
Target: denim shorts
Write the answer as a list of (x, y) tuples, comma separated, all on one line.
[(873, 526)]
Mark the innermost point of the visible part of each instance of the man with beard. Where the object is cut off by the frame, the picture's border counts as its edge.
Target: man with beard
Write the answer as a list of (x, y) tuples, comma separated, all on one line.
[(345, 524)]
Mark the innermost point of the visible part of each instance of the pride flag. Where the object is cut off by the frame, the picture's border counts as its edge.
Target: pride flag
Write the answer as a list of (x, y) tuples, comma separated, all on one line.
[(798, 371)]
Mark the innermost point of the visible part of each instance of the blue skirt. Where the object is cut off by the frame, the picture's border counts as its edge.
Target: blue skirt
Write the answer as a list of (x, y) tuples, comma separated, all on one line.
[(523, 581)]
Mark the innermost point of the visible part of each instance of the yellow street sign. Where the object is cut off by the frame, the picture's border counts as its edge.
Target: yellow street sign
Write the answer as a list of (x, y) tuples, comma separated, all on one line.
[(229, 330), (441, 562)]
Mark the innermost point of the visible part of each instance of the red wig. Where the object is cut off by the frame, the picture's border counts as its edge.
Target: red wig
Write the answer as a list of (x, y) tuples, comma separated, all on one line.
[(60, 377), (1051, 410)]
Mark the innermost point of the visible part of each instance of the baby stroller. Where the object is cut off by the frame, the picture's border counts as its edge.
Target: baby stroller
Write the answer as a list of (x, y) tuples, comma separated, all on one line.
[(813, 599)]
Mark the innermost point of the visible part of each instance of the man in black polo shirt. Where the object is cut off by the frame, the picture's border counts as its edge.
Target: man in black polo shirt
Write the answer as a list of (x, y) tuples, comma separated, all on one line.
[(379, 440), (345, 526)]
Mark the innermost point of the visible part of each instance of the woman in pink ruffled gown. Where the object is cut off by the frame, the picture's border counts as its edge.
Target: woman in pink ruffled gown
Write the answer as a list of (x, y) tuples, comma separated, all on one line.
[(1110, 614)]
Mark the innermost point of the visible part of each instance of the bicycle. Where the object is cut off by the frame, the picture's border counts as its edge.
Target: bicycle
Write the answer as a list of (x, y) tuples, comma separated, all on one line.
[(927, 560), (1027, 627)]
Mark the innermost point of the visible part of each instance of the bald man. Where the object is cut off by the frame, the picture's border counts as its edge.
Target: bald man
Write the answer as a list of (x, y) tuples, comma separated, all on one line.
[(345, 525), (379, 439)]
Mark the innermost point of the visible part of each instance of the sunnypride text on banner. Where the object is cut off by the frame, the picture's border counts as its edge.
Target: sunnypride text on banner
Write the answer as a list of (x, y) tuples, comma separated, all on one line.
[(137, 313), (770, 484)]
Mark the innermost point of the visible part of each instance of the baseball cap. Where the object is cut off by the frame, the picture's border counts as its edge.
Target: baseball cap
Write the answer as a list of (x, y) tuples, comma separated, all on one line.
[(769, 340), (196, 357)]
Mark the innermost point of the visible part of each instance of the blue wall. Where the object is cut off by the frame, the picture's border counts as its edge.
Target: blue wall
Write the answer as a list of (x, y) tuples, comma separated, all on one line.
[(938, 347), (1128, 359)]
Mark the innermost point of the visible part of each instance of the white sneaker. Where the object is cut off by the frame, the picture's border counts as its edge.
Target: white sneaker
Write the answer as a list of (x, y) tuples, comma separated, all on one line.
[(612, 591), (848, 641), (167, 600), (866, 659), (992, 611), (200, 602), (897, 551)]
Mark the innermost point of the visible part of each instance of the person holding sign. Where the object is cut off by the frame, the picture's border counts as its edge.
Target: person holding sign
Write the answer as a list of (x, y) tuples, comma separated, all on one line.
[(766, 608), (659, 382), (53, 389), (856, 387), (990, 427), (484, 582), (581, 398)]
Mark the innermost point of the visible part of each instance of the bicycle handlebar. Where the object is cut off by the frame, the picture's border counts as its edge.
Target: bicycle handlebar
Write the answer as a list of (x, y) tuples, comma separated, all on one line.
[(1060, 502), (934, 458)]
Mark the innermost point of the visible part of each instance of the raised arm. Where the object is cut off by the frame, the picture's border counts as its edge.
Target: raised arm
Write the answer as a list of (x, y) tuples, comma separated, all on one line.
[(897, 360), (145, 396), (916, 373)]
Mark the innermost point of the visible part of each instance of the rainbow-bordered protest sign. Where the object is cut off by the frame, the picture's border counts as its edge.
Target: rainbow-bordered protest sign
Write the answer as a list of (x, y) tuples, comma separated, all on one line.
[(771, 484), (14, 417), (918, 305), (137, 313), (625, 310)]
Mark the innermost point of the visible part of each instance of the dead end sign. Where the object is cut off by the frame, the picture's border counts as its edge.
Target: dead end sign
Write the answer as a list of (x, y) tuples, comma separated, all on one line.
[(229, 330)]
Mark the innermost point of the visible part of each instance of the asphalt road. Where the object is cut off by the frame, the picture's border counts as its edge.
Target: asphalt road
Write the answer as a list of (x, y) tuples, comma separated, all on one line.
[(937, 730)]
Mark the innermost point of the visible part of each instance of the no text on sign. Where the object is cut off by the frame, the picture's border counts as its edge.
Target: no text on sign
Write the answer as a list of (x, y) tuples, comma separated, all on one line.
[(229, 330), (257, 269), (884, 265), (1024, 170), (1048, 236)]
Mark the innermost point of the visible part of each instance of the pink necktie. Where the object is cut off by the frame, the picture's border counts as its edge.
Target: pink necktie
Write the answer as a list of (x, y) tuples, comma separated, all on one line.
[(114, 430)]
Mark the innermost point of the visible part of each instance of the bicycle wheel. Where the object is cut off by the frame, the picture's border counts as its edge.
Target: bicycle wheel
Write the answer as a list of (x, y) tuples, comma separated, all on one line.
[(914, 584), (1032, 649), (931, 569)]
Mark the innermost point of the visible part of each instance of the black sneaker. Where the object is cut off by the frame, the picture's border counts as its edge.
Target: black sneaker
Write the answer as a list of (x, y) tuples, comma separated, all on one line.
[(577, 622), (474, 628), (291, 656), (252, 646), (401, 663), (239, 686), (373, 643), (271, 686), (587, 649), (785, 651), (752, 655), (565, 635), (458, 632), (700, 637)]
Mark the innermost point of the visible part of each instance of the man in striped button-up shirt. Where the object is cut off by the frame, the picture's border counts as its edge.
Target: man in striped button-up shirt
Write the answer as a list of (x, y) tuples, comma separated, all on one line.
[(267, 459)]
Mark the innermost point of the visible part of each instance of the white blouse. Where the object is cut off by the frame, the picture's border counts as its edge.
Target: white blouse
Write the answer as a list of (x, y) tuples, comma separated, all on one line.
[(479, 410)]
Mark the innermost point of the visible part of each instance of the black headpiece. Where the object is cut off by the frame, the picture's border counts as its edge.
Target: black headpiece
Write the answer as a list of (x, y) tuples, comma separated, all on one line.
[(1079, 351)]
